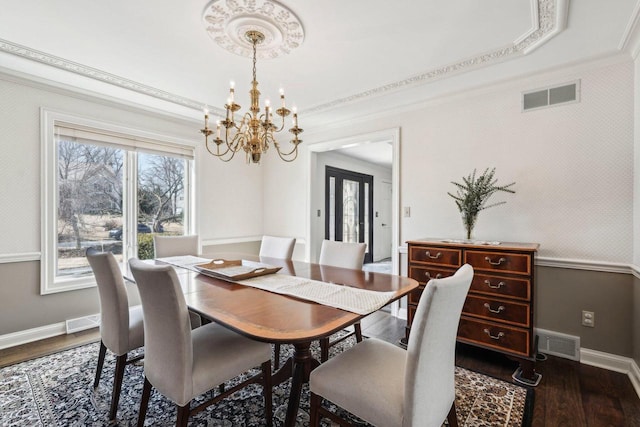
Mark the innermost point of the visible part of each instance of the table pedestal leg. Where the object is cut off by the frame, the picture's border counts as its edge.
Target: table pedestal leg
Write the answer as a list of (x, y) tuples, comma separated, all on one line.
[(303, 364)]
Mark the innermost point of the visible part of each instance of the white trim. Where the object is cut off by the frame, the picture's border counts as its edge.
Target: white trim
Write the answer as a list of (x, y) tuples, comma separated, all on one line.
[(634, 376), (612, 362), (29, 335), (402, 313), (629, 34), (579, 264), (20, 257), (635, 270), (231, 240)]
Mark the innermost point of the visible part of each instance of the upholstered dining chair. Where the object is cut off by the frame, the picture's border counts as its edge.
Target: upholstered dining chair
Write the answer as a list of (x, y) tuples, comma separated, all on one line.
[(388, 386), (121, 326), (168, 246), (182, 363), (345, 255), (277, 247)]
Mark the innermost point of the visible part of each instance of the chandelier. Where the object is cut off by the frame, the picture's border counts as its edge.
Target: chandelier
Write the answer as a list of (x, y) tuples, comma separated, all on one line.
[(255, 132)]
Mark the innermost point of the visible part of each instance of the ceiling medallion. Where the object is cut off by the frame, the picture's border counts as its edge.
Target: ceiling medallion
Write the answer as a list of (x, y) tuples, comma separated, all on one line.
[(227, 22)]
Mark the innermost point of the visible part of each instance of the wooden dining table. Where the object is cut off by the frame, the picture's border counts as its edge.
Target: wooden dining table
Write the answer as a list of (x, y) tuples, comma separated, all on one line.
[(276, 318)]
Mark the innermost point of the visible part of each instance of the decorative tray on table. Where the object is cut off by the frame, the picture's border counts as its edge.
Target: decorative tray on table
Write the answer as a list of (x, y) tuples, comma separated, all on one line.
[(235, 269)]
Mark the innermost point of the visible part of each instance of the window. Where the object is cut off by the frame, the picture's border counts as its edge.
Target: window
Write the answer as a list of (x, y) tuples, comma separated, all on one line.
[(110, 188)]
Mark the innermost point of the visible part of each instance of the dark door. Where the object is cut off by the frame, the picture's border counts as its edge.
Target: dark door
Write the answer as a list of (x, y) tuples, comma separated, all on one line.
[(349, 208)]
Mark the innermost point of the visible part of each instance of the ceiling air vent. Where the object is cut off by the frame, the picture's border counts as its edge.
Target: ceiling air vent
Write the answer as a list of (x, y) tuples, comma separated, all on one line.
[(551, 96)]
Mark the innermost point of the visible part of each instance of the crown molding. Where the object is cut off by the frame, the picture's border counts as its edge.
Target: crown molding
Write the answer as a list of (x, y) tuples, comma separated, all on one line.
[(99, 75), (550, 19), (630, 40)]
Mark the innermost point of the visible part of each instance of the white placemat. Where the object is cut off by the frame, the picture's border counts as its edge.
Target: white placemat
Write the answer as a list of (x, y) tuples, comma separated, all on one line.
[(185, 261), (360, 301)]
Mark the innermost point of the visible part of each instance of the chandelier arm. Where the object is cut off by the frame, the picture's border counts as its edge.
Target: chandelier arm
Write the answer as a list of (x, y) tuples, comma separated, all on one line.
[(218, 154), (283, 155)]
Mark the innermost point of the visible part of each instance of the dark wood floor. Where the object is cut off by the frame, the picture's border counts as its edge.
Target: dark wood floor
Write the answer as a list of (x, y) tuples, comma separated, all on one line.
[(570, 394)]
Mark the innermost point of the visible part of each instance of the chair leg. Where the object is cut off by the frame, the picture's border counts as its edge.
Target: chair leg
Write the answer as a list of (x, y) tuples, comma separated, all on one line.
[(121, 363), (101, 354), (452, 418), (183, 415), (144, 403), (267, 391), (324, 349), (358, 330), (314, 416), (276, 356)]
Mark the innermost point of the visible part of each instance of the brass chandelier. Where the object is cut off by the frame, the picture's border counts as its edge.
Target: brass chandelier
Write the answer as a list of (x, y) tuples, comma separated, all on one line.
[(255, 132)]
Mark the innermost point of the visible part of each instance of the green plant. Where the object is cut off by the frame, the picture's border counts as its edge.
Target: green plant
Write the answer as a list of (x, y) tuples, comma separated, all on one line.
[(145, 246), (472, 195)]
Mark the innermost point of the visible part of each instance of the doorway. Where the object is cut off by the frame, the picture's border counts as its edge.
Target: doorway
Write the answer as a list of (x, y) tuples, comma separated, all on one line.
[(349, 208)]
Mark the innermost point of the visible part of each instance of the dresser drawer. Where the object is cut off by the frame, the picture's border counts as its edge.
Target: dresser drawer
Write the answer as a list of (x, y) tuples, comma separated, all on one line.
[(505, 338), (424, 274), (499, 261), (514, 313), (499, 286), (435, 255), (414, 297)]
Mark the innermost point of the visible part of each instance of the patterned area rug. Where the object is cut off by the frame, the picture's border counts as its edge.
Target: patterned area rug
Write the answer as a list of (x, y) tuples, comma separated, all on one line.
[(57, 390)]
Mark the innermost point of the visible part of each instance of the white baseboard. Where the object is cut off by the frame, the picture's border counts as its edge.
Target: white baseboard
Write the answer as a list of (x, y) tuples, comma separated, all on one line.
[(612, 362), (30, 335)]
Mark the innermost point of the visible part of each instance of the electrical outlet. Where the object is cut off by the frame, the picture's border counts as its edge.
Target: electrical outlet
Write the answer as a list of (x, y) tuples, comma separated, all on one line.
[(407, 211), (588, 318)]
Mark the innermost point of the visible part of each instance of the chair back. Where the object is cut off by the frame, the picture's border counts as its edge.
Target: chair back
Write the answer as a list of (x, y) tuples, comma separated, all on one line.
[(342, 254), (430, 375), (168, 351), (277, 247), (166, 246), (114, 302)]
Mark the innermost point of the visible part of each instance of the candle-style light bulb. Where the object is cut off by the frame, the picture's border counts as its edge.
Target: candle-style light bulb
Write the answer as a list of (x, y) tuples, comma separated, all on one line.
[(206, 118), (232, 86), (282, 97), (295, 116), (267, 107), (218, 128)]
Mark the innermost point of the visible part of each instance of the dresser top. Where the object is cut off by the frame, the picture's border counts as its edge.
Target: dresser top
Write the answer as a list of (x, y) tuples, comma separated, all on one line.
[(476, 244)]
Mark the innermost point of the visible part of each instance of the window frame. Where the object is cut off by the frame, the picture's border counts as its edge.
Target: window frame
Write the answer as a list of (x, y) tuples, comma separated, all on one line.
[(49, 282)]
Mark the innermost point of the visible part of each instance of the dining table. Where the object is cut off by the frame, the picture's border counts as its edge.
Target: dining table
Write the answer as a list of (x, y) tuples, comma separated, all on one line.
[(277, 318)]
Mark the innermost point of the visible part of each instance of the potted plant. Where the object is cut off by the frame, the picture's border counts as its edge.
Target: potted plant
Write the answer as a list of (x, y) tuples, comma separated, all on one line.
[(473, 194)]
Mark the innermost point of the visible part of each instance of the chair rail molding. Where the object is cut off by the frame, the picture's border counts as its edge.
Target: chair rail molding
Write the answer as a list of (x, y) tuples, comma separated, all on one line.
[(19, 257)]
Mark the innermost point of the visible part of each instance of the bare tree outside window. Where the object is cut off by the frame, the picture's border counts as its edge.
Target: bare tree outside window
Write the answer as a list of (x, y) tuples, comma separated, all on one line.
[(89, 200)]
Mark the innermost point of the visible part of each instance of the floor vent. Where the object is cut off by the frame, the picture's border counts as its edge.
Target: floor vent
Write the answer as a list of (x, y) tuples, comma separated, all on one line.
[(551, 96), (82, 323), (557, 344)]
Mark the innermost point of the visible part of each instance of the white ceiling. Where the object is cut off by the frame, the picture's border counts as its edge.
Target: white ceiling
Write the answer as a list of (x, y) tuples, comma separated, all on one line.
[(358, 56)]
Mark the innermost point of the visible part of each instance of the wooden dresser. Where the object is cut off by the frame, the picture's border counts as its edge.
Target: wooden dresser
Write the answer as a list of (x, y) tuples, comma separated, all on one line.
[(498, 311)]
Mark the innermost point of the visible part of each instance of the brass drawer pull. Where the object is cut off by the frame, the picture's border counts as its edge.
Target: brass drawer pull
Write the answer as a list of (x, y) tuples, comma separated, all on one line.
[(500, 261), (498, 286), (494, 337), (438, 276), (438, 255), (497, 311)]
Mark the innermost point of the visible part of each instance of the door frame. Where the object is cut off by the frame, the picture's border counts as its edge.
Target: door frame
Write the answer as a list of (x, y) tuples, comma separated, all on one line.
[(392, 136), (355, 176)]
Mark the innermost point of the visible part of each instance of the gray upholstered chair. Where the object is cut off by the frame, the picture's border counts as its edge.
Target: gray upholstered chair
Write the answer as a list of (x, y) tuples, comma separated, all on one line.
[(391, 387), (168, 246), (121, 326), (345, 255), (182, 363), (277, 247)]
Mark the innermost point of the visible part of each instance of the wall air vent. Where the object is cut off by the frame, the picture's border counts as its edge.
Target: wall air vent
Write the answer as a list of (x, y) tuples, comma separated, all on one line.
[(564, 94), (557, 344)]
